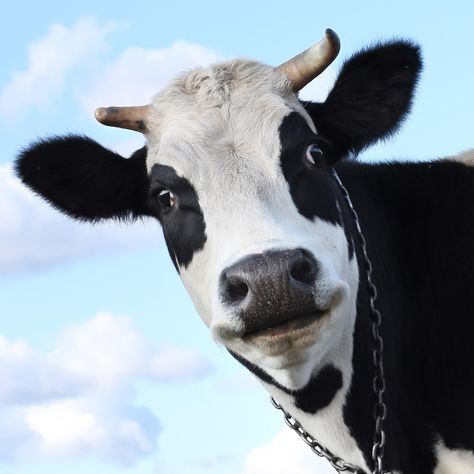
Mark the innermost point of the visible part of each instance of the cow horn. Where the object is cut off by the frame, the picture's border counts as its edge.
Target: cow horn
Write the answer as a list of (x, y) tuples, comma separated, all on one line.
[(304, 67), (133, 118)]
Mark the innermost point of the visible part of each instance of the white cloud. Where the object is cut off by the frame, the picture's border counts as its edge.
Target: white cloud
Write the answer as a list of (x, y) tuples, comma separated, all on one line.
[(285, 454), (115, 430), (50, 58), (77, 399), (32, 234), (16, 439), (172, 364), (138, 74), (106, 351), (134, 76), (26, 375)]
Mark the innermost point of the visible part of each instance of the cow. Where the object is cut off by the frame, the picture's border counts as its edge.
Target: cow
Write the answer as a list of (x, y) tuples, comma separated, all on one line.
[(344, 287)]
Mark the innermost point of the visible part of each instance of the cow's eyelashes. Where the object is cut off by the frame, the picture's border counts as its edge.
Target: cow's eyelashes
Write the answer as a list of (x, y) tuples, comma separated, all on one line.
[(314, 154), (166, 199)]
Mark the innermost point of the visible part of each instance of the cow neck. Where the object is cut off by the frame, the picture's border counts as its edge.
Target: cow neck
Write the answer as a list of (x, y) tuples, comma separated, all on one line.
[(379, 408), (378, 380)]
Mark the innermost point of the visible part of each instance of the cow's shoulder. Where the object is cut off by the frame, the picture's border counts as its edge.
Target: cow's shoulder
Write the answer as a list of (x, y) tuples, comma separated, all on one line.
[(407, 177), (466, 158)]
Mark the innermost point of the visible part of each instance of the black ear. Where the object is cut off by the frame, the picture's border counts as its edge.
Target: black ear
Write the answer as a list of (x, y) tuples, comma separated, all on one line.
[(85, 180), (371, 97)]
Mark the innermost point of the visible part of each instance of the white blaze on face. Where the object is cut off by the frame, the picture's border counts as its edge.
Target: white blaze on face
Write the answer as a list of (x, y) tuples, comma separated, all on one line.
[(219, 129)]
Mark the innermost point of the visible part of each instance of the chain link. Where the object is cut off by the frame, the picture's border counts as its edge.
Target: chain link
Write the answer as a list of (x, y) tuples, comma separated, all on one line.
[(337, 463), (379, 409)]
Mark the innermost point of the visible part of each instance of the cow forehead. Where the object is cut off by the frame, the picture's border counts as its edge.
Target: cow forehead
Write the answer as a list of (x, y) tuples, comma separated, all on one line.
[(229, 112)]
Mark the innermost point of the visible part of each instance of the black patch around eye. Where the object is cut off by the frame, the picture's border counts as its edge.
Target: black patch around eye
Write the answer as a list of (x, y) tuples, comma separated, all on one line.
[(312, 190), (183, 224)]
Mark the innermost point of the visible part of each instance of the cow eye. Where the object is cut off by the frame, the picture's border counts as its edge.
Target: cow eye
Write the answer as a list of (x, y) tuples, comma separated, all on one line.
[(166, 199), (314, 154)]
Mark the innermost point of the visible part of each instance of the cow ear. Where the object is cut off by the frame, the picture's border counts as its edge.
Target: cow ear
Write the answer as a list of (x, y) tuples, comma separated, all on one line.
[(371, 97), (85, 180)]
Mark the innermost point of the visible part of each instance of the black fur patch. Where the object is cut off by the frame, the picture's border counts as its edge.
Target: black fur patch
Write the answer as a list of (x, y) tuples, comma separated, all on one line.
[(320, 390), (183, 225), (311, 186), (85, 180)]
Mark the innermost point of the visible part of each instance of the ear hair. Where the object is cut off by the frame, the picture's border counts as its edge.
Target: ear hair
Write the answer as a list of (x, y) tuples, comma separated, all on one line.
[(372, 96), (85, 180)]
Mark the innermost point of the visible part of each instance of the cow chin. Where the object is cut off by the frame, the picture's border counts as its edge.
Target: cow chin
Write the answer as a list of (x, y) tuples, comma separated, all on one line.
[(291, 352)]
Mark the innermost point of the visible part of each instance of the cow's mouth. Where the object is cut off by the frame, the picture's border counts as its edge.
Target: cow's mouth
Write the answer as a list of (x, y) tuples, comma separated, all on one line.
[(291, 326)]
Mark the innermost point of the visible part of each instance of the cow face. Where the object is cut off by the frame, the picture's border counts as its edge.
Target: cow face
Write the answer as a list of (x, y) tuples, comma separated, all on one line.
[(239, 173), (241, 182)]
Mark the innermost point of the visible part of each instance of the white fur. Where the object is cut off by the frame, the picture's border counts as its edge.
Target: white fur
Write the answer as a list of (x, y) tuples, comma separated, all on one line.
[(453, 461), (219, 128)]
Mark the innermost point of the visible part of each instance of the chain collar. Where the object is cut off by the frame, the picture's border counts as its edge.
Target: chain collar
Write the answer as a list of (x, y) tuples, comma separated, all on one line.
[(380, 409), (337, 463)]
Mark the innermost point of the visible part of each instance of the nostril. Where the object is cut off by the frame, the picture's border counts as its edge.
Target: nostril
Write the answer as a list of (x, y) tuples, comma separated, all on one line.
[(236, 290), (304, 269)]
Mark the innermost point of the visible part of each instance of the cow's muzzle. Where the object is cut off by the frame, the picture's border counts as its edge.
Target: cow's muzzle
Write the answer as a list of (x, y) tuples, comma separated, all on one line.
[(274, 289)]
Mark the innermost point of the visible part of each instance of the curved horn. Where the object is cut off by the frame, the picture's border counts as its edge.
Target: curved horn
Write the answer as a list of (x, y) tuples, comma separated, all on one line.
[(133, 118), (304, 67)]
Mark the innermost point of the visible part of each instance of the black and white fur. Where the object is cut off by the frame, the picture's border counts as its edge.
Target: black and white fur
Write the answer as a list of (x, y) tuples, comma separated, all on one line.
[(234, 146)]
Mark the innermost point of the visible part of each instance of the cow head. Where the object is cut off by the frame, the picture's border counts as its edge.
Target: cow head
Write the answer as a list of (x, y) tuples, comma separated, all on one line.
[(239, 173)]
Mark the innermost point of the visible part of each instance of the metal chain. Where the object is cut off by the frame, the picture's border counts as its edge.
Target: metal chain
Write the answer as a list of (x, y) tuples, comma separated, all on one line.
[(337, 463), (380, 409), (378, 384)]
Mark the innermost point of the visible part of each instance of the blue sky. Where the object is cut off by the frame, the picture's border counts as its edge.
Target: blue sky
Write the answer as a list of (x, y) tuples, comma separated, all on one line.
[(104, 365)]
